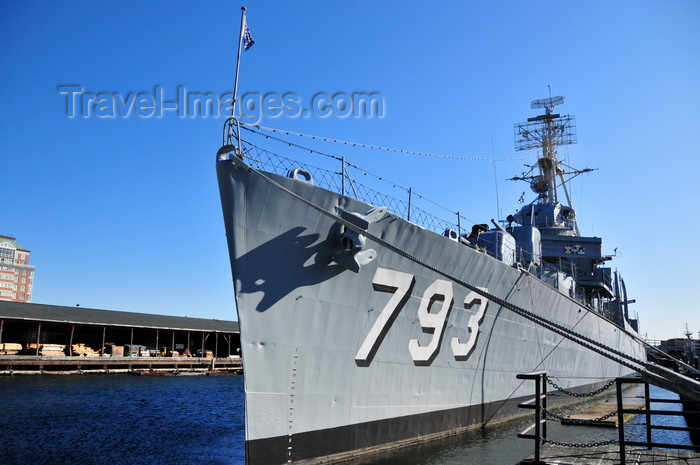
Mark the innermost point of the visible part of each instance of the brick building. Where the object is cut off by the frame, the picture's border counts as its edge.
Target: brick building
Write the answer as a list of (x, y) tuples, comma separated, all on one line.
[(16, 274)]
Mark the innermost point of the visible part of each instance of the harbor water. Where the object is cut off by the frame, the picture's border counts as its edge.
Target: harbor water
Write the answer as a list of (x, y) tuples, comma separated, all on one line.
[(121, 420), (124, 420)]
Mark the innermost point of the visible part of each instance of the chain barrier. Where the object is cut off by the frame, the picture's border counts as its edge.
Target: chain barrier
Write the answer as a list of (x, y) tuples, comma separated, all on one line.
[(578, 444), (576, 421), (581, 394)]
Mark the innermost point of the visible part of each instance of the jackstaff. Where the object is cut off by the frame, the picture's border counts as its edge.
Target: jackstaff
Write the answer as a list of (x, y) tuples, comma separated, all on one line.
[(245, 41)]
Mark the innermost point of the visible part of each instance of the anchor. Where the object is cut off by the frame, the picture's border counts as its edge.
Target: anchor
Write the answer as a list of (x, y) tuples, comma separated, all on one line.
[(352, 255)]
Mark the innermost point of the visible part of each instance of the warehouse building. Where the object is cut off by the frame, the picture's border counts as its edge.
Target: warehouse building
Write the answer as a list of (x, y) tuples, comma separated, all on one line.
[(53, 335)]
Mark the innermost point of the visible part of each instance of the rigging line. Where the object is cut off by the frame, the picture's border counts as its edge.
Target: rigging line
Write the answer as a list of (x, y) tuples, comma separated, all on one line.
[(395, 184), (532, 305), (363, 171), (388, 149), (335, 157), (406, 189), (347, 163), (584, 341), (269, 152), (537, 333), (602, 368), (495, 180)]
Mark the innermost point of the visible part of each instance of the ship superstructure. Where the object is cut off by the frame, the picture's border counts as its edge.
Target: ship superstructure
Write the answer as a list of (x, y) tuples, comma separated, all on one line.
[(568, 261)]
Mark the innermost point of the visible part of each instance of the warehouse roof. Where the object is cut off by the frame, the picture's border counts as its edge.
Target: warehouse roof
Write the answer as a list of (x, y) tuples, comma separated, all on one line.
[(91, 316)]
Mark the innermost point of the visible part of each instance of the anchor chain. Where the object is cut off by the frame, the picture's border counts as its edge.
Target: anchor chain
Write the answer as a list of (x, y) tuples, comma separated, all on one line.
[(580, 394), (595, 346)]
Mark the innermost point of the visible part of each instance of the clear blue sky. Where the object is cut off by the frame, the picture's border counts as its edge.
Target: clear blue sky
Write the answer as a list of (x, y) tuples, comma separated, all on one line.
[(123, 213)]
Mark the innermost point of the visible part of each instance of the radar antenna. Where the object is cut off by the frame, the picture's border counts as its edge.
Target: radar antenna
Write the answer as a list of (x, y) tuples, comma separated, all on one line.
[(548, 103), (546, 132)]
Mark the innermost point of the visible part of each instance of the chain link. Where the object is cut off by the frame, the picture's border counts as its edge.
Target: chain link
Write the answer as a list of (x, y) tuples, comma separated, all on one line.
[(579, 445), (577, 421), (580, 394)]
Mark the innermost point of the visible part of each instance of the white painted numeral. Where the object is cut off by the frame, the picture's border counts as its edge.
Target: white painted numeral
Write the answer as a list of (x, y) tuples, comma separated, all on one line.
[(432, 322), (387, 281), (438, 293), (462, 350)]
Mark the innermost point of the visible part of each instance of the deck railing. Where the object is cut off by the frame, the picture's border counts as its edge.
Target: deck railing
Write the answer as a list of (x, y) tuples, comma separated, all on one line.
[(649, 415), (539, 405)]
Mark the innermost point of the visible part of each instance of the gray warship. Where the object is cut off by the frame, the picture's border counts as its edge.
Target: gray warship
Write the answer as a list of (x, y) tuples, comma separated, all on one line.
[(367, 322)]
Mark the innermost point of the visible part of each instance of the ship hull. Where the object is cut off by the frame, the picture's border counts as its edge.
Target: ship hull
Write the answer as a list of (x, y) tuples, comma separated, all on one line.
[(340, 360)]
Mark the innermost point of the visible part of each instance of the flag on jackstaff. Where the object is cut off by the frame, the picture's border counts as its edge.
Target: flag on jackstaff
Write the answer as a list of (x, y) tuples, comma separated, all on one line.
[(247, 38), (522, 198)]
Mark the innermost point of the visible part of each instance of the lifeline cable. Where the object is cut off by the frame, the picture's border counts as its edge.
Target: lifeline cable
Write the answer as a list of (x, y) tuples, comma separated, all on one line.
[(377, 147), (363, 171)]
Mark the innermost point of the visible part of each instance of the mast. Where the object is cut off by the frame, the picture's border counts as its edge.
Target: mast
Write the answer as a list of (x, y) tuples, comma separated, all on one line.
[(244, 36), (238, 61), (546, 132)]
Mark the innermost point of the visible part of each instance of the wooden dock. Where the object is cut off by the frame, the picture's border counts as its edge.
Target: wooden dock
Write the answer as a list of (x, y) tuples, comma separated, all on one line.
[(610, 455), (44, 365)]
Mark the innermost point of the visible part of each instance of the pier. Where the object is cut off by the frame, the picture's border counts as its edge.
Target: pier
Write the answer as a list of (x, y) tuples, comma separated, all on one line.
[(627, 449), (47, 365), (50, 339), (610, 455)]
